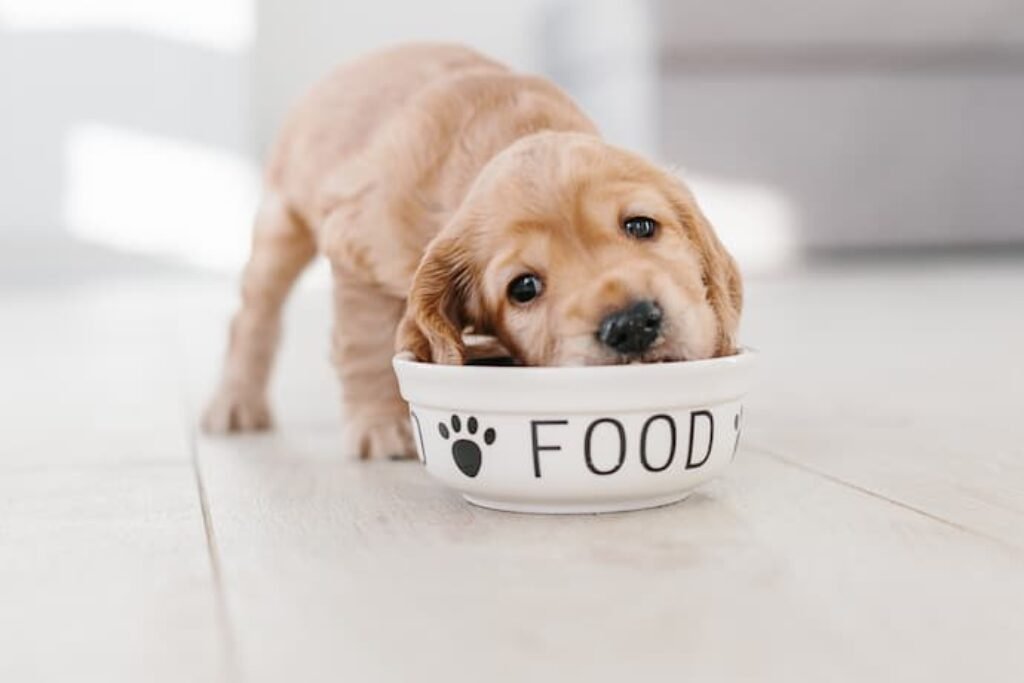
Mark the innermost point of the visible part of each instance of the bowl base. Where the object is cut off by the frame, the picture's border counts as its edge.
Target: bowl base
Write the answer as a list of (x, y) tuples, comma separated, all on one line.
[(576, 507)]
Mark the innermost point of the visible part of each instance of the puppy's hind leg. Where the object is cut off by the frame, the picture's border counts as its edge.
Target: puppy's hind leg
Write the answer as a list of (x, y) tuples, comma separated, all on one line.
[(281, 247), (376, 417)]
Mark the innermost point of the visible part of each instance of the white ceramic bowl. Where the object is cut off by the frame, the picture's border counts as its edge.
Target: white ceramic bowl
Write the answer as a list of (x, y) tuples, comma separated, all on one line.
[(573, 440)]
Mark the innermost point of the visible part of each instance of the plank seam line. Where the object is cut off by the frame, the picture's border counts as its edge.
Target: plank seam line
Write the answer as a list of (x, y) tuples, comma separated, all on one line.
[(232, 670), (879, 496), (216, 571)]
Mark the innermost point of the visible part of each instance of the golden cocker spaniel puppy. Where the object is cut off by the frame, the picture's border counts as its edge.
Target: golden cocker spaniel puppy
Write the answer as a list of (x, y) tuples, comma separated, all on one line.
[(453, 195)]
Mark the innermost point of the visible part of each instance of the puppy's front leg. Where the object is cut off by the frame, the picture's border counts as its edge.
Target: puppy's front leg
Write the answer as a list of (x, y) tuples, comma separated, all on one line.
[(281, 247), (376, 417)]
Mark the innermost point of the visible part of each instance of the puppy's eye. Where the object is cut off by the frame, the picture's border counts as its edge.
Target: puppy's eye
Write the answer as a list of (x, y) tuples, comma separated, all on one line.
[(525, 288), (640, 227)]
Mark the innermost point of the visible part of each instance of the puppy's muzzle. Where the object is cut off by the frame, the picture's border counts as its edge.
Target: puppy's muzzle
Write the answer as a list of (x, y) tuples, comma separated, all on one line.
[(631, 330)]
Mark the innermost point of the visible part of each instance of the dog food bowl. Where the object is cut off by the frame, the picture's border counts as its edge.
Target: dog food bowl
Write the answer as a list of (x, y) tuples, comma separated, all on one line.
[(580, 439)]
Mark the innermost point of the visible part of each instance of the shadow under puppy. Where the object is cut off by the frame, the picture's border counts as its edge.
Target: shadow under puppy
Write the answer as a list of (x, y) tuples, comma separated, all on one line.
[(450, 195)]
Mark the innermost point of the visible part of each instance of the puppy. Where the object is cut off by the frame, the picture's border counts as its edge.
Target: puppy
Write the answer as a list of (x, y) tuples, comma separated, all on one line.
[(453, 195)]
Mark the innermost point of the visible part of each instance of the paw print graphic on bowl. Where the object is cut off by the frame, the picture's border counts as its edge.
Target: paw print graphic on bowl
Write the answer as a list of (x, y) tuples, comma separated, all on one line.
[(466, 451)]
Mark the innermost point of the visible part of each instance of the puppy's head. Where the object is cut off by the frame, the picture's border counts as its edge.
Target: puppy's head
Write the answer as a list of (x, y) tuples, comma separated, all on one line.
[(573, 252)]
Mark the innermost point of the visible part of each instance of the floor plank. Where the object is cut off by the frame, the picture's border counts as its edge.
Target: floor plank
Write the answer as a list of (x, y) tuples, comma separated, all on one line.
[(104, 576), (862, 532), (104, 569), (871, 526), (335, 568), (90, 374), (904, 382)]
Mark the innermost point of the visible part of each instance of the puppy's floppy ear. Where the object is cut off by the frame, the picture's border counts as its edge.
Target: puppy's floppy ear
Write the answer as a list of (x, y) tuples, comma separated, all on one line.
[(436, 310), (721, 275)]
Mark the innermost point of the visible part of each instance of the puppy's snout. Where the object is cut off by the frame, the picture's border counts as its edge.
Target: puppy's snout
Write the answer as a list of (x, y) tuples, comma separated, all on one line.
[(633, 329)]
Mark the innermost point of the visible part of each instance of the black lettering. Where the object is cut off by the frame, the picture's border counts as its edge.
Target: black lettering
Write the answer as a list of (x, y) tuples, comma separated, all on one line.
[(643, 442), (690, 464), (537, 448), (622, 445)]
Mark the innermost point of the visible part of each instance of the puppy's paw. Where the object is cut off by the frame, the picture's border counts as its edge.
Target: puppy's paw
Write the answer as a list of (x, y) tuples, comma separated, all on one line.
[(382, 438), (233, 410)]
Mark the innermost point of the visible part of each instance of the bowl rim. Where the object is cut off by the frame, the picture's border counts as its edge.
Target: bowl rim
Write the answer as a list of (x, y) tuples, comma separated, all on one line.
[(577, 389)]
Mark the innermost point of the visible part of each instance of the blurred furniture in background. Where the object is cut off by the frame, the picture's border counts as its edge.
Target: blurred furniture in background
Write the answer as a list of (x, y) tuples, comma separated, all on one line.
[(875, 124)]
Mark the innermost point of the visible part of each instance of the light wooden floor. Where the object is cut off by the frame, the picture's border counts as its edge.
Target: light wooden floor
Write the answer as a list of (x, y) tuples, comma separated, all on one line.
[(871, 528)]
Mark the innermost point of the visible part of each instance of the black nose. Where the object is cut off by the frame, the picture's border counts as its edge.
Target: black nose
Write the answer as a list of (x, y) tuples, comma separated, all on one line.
[(633, 329)]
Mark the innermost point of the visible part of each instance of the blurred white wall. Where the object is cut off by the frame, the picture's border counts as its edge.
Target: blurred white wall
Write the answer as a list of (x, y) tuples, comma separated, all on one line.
[(126, 124), (298, 41), (139, 124)]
